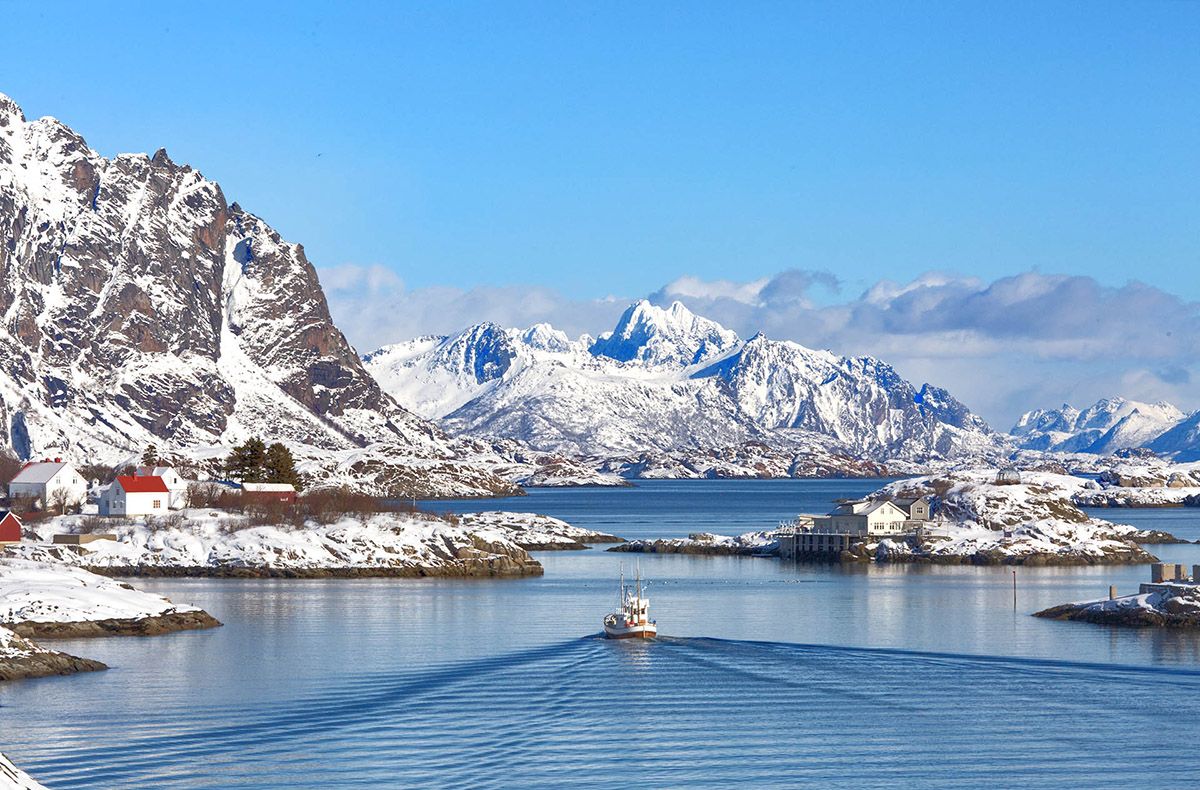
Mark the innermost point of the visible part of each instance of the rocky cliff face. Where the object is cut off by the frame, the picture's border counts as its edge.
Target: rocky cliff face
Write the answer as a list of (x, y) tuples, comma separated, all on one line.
[(666, 380), (137, 305)]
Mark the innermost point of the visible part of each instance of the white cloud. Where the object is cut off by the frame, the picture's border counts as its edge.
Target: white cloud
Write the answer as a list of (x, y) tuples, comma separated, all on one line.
[(374, 307)]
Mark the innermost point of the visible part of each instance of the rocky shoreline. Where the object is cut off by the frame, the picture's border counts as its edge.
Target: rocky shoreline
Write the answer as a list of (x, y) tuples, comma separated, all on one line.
[(154, 625), (1132, 617), (499, 567), (21, 659), (757, 544)]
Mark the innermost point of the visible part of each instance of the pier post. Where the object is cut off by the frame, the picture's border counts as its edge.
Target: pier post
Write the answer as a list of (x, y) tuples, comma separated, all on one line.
[(1014, 589), (1112, 591)]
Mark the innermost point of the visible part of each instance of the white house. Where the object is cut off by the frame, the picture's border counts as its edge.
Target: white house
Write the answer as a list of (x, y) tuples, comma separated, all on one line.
[(872, 517), (44, 480), (135, 496), (175, 484)]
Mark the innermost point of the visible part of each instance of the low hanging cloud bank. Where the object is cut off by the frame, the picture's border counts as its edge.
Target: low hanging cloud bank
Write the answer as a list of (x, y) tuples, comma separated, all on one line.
[(1002, 347)]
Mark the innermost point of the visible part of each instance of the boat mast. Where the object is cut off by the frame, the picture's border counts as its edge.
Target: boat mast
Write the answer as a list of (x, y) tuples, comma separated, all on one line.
[(638, 607)]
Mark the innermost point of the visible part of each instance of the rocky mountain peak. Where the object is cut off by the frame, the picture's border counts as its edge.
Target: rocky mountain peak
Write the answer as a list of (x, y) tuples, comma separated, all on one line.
[(650, 334), (9, 111), (139, 307)]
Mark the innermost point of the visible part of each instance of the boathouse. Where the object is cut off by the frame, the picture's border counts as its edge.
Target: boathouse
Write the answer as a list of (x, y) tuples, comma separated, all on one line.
[(851, 523)]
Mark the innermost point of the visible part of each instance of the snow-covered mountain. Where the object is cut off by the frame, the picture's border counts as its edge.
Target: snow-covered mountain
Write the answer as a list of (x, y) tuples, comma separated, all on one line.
[(137, 305), (1109, 425), (666, 379)]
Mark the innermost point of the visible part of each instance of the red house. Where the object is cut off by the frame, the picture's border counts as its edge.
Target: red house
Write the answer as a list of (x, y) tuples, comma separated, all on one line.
[(10, 528)]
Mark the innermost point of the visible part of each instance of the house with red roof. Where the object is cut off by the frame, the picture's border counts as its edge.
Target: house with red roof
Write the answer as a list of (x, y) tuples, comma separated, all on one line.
[(135, 495), (10, 528)]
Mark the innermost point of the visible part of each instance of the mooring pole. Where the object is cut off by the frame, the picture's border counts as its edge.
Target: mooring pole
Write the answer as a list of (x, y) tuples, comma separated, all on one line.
[(1014, 589)]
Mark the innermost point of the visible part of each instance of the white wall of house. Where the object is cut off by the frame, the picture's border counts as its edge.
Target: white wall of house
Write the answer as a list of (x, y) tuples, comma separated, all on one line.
[(67, 478), (114, 501)]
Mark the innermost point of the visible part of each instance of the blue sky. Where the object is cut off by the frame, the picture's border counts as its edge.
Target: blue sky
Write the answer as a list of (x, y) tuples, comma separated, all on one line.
[(989, 184), (600, 148)]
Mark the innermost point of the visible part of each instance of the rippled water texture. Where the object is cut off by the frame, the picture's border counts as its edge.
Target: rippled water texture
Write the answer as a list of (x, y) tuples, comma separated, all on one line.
[(773, 675)]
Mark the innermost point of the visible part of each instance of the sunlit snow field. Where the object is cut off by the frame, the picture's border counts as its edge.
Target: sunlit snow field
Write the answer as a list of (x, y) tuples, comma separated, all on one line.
[(771, 674)]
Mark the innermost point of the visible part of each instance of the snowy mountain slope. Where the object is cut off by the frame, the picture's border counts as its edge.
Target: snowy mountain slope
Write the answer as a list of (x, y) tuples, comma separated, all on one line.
[(138, 306), (1109, 425), (666, 379), (1181, 441)]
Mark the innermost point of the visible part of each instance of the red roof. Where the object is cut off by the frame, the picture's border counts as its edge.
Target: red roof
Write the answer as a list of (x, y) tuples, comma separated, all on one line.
[(143, 485)]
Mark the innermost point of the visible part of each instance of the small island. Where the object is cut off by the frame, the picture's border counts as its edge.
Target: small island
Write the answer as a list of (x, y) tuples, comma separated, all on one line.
[(973, 517), (1170, 600)]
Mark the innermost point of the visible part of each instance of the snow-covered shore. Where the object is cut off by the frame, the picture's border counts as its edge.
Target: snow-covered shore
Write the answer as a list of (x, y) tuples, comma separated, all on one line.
[(977, 521), (748, 544), (1033, 522), (45, 600), (203, 542)]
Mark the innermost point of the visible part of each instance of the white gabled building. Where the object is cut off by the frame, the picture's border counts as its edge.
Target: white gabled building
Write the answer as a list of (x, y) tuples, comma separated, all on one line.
[(175, 484), (131, 495), (42, 480)]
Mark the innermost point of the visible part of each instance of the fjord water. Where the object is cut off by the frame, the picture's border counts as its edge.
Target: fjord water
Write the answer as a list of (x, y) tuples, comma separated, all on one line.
[(771, 674)]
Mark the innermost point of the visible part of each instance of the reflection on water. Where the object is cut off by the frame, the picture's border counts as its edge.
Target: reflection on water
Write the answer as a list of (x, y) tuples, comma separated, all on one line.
[(771, 675)]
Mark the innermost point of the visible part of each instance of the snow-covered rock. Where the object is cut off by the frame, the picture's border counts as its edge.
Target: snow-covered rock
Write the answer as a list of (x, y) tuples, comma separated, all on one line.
[(1178, 606), (202, 542), (51, 592), (666, 380), (12, 777), (759, 544), (21, 658), (535, 532)]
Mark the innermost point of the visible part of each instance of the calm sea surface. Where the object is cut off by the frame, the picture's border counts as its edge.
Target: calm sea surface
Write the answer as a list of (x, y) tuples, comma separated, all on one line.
[(771, 674)]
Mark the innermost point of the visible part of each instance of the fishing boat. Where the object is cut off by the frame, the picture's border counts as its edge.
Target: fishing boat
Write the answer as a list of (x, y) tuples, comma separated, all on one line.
[(631, 620)]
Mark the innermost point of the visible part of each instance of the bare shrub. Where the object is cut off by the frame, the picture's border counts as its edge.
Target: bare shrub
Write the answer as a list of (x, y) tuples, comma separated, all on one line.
[(92, 524), (229, 526), (101, 472), (328, 505), (24, 506), (164, 522), (941, 486)]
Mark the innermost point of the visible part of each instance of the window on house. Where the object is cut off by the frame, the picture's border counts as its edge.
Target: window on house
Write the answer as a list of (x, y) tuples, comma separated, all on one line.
[(157, 504)]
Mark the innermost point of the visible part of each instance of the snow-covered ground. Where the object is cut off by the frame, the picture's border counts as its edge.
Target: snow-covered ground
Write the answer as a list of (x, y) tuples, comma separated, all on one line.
[(204, 541), (12, 777), (534, 532), (51, 592)]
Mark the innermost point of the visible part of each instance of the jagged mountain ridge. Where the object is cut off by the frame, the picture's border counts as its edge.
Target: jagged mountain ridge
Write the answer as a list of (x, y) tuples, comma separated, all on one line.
[(1109, 425), (137, 305), (675, 381)]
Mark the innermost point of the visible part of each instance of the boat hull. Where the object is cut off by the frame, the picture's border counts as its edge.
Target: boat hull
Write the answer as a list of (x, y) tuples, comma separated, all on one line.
[(630, 632)]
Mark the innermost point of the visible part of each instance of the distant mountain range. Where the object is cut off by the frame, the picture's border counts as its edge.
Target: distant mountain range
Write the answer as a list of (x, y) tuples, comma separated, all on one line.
[(1112, 424), (665, 379)]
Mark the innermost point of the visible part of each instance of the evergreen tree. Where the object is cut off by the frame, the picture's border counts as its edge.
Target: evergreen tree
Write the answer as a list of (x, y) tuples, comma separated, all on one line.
[(280, 467), (246, 464), (150, 457)]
